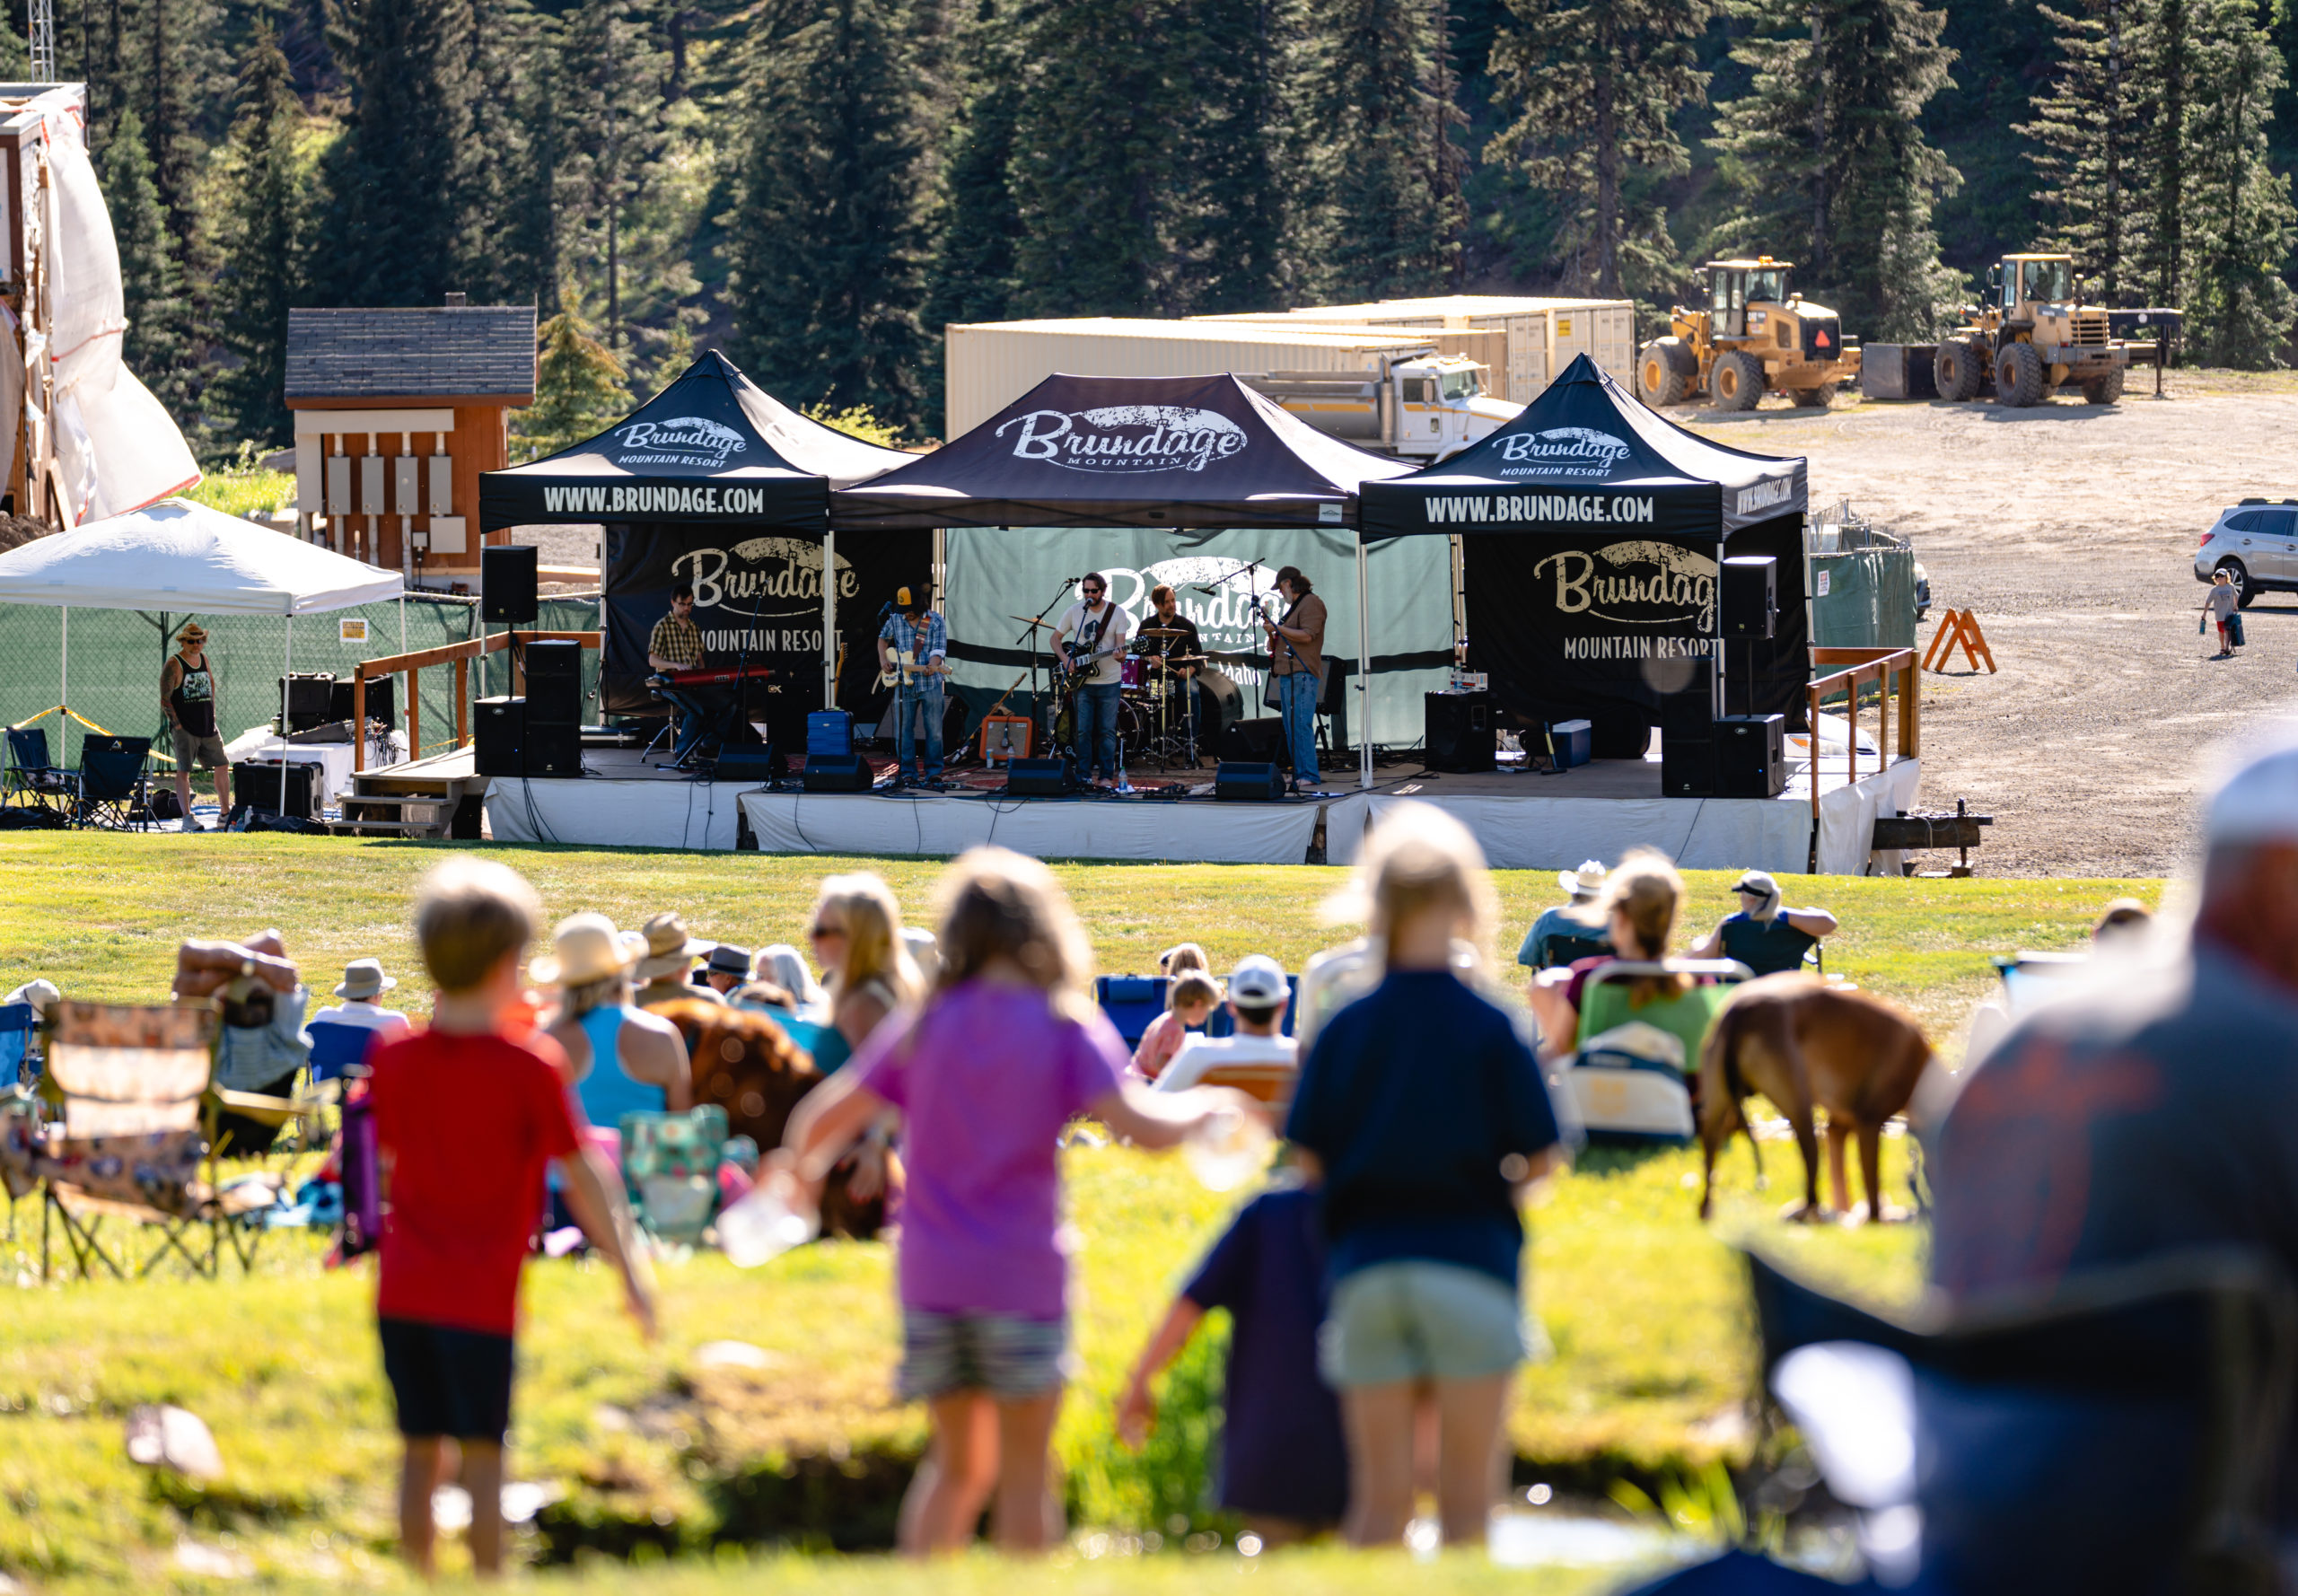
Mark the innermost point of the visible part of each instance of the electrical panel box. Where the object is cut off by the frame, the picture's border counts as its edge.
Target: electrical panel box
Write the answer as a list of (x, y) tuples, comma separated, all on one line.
[(407, 485), (443, 484), (372, 500), (338, 485), (448, 536)]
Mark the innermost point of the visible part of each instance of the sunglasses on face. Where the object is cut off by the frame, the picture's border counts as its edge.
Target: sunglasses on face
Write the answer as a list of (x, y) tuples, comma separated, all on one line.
[(821, 931)]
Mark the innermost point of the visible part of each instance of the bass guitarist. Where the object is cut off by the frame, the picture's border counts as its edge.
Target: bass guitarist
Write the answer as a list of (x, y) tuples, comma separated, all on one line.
[(1090, 636), (912, 646)]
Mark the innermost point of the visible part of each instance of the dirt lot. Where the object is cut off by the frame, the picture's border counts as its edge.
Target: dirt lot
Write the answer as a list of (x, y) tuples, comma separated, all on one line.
[(2071, 532)]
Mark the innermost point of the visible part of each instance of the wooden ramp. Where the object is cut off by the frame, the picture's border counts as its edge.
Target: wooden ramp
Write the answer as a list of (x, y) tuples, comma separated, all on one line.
[(438, 795)]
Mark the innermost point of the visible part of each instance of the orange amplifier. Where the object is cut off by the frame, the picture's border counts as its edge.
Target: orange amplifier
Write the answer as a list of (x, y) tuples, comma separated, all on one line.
[(1004, 737)]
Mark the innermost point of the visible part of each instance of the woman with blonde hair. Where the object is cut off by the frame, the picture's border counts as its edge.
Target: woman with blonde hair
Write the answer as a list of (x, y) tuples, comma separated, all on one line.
[(1643, 899), (1007, 1049), (866, 967), (1421, 1116)]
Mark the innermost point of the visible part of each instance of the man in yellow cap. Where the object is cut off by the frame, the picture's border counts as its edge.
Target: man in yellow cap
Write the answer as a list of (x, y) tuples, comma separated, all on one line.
[(187, 698), (912, 646)]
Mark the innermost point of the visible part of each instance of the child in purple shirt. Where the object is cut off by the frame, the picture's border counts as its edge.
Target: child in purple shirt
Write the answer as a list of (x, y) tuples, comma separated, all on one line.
[(1007, 1051)]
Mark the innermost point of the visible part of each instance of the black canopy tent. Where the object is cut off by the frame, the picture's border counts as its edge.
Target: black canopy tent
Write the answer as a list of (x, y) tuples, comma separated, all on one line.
[(716, 483), (1590, 530)]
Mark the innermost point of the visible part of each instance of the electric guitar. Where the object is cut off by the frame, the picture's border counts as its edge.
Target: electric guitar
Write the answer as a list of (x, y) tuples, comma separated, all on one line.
[(1079, 673), (907, 671)]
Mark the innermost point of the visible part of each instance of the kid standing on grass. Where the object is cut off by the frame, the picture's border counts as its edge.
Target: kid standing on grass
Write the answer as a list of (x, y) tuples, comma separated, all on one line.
[(467, 1113), (1007, 1050)]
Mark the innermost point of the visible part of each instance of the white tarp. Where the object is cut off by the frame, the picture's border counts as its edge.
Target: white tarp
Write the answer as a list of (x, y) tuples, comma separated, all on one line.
[(188, 558), (1045, 827)]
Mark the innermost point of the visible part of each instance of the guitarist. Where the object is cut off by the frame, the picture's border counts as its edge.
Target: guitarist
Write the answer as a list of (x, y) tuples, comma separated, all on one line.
[(1296, 658), (1090, 636), (912, 646)]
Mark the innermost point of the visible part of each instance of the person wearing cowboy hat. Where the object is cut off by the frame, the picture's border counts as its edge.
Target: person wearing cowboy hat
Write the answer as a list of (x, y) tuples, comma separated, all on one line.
[(1764, 935), (665, 970), (364, 981), (622, 1059), (1574, 928), (188, 700)]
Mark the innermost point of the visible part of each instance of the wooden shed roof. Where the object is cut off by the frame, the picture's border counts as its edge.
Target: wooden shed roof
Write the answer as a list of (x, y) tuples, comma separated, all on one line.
[(467, 352)]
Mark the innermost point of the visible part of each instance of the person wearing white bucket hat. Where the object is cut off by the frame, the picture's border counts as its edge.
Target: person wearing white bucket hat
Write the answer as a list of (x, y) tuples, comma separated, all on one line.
[(622, 1059), (1574, 928), (364, 981)]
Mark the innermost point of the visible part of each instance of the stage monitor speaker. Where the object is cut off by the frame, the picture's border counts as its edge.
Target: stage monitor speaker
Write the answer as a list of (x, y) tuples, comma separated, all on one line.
[(1750, 600), (552, 748), (836, 773), (1241, 781), (498, 736), (1038, 778), (1261, 739), (1750, 756), (507, 583), (554, 683), (1618, 737), (1457, 732), (383, 699), (759, 762), (306, 699), (255, 785), (1687, 765), (1689, 716)]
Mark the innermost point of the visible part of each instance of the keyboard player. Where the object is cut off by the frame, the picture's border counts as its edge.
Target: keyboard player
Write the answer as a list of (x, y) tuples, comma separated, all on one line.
[(674, 646)]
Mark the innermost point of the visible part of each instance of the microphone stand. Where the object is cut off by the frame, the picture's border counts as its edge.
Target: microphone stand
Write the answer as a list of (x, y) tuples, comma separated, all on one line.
[(1030, 635)]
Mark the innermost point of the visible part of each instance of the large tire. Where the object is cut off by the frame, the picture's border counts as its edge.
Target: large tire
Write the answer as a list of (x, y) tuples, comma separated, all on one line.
[(1813, 399), (2245, 590), (2018, 376), (1957, 368), (1738, 379), (1662, 378), (2104, 390)]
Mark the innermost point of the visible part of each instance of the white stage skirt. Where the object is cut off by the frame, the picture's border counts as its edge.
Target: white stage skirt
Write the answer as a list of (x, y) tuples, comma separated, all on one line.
[(1048, 827), (599, 811)]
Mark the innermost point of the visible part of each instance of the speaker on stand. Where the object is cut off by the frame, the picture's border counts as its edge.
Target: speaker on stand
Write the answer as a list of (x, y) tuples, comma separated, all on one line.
[(507, 574), (1749, 607)]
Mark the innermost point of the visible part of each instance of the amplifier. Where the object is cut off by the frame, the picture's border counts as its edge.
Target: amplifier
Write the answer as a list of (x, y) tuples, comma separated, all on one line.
[(1242, 781), (1750, 756), (1457, 732), (382, 698), (255, 785), (828, 731), (1260, 738), (307, 698), (836, 773), (1687, 765), (498, 728), (507, 583), (552, 748), (755, 761), (1004, 737), (554, 683), (1038, 778)]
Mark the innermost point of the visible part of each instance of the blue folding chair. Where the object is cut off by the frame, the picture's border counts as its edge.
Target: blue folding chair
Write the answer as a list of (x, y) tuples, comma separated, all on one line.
[(115, 793), (16, 1022), (34, 779), (338, 1047), (1131, 1002)]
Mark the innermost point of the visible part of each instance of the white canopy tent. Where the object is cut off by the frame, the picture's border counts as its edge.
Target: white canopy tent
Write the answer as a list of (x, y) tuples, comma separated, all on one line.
[(183, 556)]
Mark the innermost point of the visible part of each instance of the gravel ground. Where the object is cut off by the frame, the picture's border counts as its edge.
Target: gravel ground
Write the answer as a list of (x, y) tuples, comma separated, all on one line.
[(2070, 532)]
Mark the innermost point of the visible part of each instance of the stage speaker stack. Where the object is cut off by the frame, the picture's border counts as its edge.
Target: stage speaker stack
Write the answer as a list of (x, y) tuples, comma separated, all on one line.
[(507, 583), (1260, 740), (1750, 600), (1457, 732), (836, 773), (554, 728), (1687, 738), (498, 736), (1038, 778), (1239, 780), (1750, 756)]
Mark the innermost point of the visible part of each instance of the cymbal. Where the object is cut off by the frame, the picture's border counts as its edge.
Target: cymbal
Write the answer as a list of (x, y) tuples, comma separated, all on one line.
[(1030, 620), (1161, 632)]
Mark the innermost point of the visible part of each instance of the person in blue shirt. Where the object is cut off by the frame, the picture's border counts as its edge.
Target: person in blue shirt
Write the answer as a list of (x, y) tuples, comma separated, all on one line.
[(1764, 935), (1422, 1117), (1574, 928), (912, 646)]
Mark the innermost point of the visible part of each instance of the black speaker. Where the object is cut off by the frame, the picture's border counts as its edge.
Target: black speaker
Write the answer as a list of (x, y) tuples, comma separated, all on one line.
[(1750, 600), (836, 773), (554, 683), (1687, 765), (1457, 732), (498, 728), (1241, 781), (1038, 778), (553, 747), (307, 699), (1750, 756), (1617, 737), (1688, 717), (1260, 738), (507, 583), (383, 697), (759, 762), (255, 785)]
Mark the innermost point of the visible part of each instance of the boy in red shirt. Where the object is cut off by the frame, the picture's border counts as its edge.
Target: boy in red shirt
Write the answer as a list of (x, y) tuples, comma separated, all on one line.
[(467, 1115)]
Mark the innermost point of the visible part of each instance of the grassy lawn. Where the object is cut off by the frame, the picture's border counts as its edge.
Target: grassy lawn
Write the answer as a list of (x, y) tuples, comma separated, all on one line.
[(666, 1448), (236, 493)]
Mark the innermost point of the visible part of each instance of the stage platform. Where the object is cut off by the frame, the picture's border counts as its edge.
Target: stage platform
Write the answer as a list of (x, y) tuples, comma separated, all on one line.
[(1523, 820)]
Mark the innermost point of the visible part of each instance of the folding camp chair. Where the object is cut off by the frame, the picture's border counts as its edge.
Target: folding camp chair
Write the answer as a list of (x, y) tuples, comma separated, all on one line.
[(670, 1170), (18, 1020), (115, 793), (33, 778), (1626, 1079), (337, 1048), (1131, 1002)]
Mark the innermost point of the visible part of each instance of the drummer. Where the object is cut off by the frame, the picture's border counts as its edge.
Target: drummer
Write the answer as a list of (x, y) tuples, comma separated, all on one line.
[(1172, 636)]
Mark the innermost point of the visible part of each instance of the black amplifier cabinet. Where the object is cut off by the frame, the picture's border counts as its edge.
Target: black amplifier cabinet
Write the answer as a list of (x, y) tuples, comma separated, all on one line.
[(1242, 781), (552, 748), (1457, 732), (1750, 756), (498, 728)]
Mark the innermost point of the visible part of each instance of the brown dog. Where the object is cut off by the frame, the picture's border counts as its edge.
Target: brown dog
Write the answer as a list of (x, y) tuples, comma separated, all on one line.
[(1806, 1045)]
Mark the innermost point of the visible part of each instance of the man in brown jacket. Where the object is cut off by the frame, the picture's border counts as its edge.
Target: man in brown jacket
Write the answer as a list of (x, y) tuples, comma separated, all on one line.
[(1296, 644)]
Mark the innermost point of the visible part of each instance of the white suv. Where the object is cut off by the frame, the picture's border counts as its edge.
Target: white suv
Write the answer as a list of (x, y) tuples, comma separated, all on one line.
[(2256, 544)]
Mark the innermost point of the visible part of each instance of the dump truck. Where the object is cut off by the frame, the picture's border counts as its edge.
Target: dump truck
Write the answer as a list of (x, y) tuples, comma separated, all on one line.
[(1752, 336), (2032, 336)]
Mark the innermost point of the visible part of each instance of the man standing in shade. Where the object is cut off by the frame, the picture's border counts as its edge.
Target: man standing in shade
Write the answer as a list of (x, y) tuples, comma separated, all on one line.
[(911, 649), (1296, 644), (1099, 629)]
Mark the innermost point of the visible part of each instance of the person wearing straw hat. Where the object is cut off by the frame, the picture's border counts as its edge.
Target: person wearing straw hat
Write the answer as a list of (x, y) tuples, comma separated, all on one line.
[(666, 969), (1573, 929), (621, 1059), (1764, 935), (364, 981), (188, 700)]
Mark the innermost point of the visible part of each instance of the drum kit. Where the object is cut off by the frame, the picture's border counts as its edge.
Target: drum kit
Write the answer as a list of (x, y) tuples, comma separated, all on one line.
[(1157, 717)]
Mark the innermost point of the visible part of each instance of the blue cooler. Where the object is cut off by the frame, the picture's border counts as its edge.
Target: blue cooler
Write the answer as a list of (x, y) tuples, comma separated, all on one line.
[(831, 731), (1570, 738)]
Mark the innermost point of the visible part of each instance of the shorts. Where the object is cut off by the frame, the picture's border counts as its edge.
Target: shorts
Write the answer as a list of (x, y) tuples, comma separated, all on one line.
[(447, 1381), (1008, 1356), (1413, 1319), (195, 751)]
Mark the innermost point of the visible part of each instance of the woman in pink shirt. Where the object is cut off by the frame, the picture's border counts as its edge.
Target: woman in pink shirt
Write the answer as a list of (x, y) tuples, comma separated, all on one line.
[(1007, 1049)]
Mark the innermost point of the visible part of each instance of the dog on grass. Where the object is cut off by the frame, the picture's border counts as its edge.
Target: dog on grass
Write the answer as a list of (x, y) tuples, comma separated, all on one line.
[(1808, 1046)]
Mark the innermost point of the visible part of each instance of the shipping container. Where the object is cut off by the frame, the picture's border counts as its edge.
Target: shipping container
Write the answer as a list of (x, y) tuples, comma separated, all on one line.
[(1543, 334)]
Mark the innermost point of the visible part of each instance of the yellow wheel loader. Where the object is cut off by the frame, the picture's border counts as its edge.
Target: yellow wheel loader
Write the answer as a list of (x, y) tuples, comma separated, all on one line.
[(2032, 336), (1751, 338)]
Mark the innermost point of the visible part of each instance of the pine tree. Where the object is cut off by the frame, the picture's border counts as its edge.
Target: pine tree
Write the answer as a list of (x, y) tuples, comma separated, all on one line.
[(2088, 130), (1383, 185), (2240, 307), (158, 345), (1595, 87), (1231, 158), (619, 79), (516, 105), (2163, 55), (1830, 162), (823, 243), (579, 387), (262, 245), (971, 275)]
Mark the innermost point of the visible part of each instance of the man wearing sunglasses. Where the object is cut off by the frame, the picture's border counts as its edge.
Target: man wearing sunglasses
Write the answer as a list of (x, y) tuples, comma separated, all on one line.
[(1098, 628)]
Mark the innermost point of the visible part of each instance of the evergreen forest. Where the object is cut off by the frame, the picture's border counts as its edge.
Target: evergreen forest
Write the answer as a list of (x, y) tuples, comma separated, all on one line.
[(819, 186)]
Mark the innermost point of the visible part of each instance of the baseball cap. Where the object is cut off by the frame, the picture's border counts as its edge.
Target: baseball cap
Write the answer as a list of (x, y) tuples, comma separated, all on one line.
[(1258, 983), (2258, 803)]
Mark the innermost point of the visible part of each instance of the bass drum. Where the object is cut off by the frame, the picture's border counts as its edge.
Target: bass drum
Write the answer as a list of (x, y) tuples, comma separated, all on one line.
[(1133, 730), (1221, 703)]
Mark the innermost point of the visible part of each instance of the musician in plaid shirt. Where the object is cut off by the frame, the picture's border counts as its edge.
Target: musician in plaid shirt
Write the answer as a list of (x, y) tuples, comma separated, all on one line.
[(921, 640), (675, 644)]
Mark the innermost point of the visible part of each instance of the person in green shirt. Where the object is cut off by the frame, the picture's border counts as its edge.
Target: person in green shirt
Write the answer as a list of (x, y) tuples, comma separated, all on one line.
[(1764, 935)]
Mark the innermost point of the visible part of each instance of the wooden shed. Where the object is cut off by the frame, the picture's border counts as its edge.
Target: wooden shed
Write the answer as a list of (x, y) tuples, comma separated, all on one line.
[(397, 413)]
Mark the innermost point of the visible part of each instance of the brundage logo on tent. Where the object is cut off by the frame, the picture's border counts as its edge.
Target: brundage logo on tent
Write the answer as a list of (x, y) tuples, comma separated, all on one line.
[(1126, 438), (681, 441), (1639, 584), (1562, 452)]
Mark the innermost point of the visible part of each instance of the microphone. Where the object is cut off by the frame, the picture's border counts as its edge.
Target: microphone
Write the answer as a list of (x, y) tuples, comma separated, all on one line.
[(1209, 593)]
